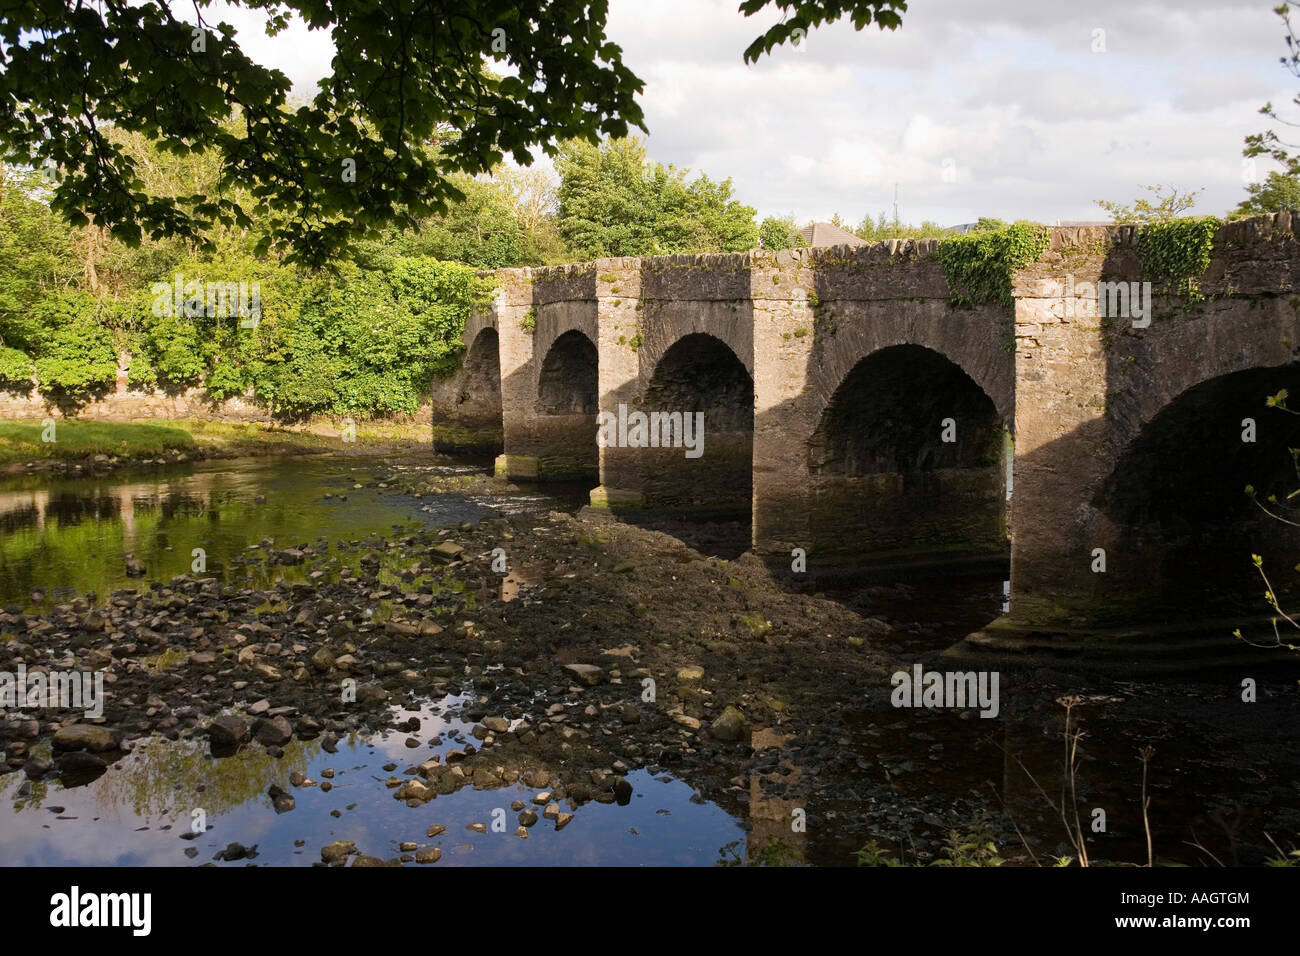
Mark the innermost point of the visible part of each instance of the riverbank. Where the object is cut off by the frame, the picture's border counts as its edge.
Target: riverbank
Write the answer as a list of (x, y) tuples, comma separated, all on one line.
[(77, 446)]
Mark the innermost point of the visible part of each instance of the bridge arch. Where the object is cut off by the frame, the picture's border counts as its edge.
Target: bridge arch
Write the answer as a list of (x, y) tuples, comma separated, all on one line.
[(1142, 382), (468, 405), (700, 380), (1178, 527), (969, 346), (665, 328), (567, 379), (909, 455), (563, 424), (482, 382)]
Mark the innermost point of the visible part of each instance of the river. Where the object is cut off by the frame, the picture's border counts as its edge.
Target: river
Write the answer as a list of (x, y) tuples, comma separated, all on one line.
[(872, 771)]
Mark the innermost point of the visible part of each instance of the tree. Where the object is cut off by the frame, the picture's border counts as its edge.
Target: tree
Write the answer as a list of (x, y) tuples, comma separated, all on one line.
[(810, 14), (780, 233), (886, 228), (1279, 192), (1143, 212), (719, 222), (409, 104), (604, 199), (481, 230), (531, 192), (613, 201)]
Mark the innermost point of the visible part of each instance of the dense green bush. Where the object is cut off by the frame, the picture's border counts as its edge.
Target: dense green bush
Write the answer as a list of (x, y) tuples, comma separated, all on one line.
[(362, 341), (171, 354), (365, 341), (15, 369), (777, 234), (36, 257), (76, 356)]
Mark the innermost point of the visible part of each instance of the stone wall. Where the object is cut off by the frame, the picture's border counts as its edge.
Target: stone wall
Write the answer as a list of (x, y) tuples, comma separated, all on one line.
[(125, 404)]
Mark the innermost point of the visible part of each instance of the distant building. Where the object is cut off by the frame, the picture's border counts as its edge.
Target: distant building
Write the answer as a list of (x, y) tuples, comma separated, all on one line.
[(821, 234)]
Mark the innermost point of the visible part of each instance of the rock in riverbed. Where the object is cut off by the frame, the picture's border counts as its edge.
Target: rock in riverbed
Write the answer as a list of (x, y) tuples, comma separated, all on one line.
[(337, 851), (228, 731), (89, 737)]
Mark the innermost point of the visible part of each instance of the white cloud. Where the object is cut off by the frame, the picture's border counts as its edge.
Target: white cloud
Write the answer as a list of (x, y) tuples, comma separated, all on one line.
[(1033, 122)]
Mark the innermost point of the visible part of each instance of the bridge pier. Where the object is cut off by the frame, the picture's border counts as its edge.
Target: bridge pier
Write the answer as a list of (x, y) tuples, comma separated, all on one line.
[(1132, 445), (618, 289), (784, 405), (549, 361)]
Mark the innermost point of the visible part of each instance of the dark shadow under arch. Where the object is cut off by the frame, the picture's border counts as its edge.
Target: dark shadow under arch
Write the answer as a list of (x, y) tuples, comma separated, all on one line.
[(467, 415), (909, 456), (698, 375), (482, 379), (564, 429), (1185, 527), (567, 384)]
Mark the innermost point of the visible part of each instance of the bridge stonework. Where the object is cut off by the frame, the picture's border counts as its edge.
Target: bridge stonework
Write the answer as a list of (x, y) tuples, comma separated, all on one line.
[(854, 412)]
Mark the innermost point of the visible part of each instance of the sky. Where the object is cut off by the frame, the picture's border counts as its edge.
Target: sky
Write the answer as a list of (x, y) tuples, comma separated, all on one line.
[(1007, 108)]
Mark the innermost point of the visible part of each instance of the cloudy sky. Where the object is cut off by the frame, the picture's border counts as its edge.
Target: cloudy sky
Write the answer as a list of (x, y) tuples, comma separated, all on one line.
[(1007, 108)]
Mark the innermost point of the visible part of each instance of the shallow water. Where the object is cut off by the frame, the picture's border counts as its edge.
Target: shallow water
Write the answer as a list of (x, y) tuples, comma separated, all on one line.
[(142, 810), (65, 535)]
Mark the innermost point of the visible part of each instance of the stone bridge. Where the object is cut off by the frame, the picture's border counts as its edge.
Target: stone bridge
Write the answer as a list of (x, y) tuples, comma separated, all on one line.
[(851, 411)]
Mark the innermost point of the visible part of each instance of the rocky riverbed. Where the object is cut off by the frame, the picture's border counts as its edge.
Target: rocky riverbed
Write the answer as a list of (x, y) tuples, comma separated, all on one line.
[(576, 657)]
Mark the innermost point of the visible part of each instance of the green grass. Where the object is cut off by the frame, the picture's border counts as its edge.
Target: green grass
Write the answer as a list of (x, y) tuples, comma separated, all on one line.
[(167, 659), (21, 441), (973, 848), (80, 439), (321, 433)]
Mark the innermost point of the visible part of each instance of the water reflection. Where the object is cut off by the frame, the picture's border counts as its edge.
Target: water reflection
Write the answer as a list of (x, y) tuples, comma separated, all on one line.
[(76, 532), (139, 812)]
